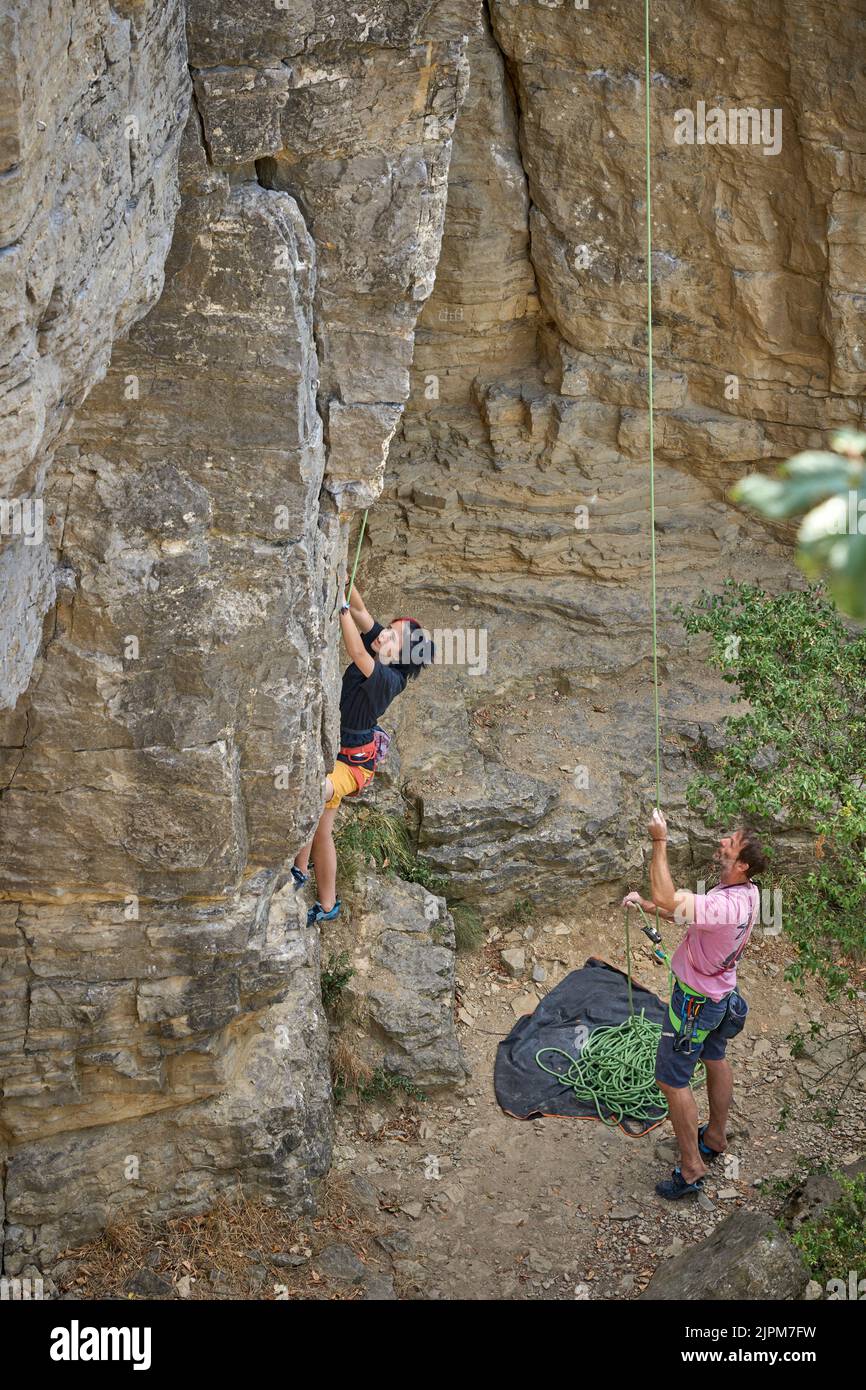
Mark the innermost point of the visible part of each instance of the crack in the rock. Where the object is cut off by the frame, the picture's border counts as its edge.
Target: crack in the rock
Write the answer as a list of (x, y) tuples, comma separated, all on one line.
[(30, 971), (512, 88), (194, 105)]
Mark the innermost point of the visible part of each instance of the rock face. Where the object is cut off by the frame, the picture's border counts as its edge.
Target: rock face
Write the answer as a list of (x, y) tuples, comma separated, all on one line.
[(169, 660), (515, 518), (403, 954), (746, 1257), (93, 103), (163, 1035), (373, 192)]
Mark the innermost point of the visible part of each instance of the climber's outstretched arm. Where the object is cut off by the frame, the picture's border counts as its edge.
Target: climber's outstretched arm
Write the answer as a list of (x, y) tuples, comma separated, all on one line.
[(354, 646), (359, 611), (679, 903)]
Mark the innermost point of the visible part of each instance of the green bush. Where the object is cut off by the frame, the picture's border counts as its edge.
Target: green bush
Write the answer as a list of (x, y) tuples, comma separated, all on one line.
[(383, 1084), (829, 491), (835, 1242), (371, 1085), (795, 757)]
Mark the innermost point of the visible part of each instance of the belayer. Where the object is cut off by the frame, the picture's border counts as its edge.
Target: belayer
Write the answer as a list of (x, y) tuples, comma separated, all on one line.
[(705, 1009), (383, 661)]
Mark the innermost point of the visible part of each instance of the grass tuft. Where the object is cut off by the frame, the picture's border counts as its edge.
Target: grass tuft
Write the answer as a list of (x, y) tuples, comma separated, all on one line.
[(373, 838), (468, 927), (336, 974)]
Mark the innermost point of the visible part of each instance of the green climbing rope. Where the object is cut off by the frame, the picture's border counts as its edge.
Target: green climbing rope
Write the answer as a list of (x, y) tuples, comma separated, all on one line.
[(649, 332), (616, 1067), (357, 556), (615, 1071)]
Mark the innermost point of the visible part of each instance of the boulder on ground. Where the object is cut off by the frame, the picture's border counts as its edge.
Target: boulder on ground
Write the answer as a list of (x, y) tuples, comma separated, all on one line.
[(815, 1195), (747, 1256), (403, 952)]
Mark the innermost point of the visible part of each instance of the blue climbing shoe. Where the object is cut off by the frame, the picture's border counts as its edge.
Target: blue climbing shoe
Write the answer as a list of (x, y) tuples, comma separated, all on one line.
[(296, 879), (704, 1149), (676, 1186), (318, 914)]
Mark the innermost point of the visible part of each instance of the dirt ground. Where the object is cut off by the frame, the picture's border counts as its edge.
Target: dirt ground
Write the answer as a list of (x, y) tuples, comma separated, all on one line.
[(449, 1198), (490, 1207)]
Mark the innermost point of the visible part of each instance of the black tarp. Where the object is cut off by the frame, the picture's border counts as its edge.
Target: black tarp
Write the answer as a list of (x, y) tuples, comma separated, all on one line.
[(594, 997)]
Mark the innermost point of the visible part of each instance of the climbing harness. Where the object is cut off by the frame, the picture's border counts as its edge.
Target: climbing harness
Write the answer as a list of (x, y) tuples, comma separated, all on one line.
[(361, 762), (365, 759), (686, 1022), (616, 1067)]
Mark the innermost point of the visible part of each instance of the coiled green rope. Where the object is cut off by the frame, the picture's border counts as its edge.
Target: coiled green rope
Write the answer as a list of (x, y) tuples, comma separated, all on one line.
[(616, 1067), (615, 1071)]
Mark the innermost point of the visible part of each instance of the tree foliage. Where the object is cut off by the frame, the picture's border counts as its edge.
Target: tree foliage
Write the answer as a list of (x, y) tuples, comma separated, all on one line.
[(829, 491), (794, 757)]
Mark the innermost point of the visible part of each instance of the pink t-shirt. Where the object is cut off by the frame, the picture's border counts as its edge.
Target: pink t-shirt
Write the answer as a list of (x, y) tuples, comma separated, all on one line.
[(706, 958)]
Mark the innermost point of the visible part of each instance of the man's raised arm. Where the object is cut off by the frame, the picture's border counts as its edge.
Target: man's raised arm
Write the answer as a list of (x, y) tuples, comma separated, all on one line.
[(680, 904)]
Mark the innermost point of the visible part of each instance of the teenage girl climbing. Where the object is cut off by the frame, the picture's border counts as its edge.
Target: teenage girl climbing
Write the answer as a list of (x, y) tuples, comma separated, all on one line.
[(383, 660)]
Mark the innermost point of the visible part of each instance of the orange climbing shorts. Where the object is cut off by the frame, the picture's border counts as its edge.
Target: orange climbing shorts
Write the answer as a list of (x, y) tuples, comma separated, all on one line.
[(347, 781)]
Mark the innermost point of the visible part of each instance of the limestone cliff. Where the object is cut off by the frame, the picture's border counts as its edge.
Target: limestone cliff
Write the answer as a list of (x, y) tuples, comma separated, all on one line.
[(93, 101), (163, 1031), (287, 171)]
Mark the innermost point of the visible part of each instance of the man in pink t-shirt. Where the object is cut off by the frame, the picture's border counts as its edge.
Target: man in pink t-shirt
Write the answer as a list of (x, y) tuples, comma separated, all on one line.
[(705, 1009), (721, 924)]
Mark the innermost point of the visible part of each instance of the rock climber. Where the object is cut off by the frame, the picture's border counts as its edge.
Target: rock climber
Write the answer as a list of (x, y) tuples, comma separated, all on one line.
[(705, 1010), (383, 661)]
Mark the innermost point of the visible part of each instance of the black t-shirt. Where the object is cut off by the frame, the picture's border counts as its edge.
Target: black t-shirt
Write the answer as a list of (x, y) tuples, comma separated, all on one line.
[(364, 699)]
